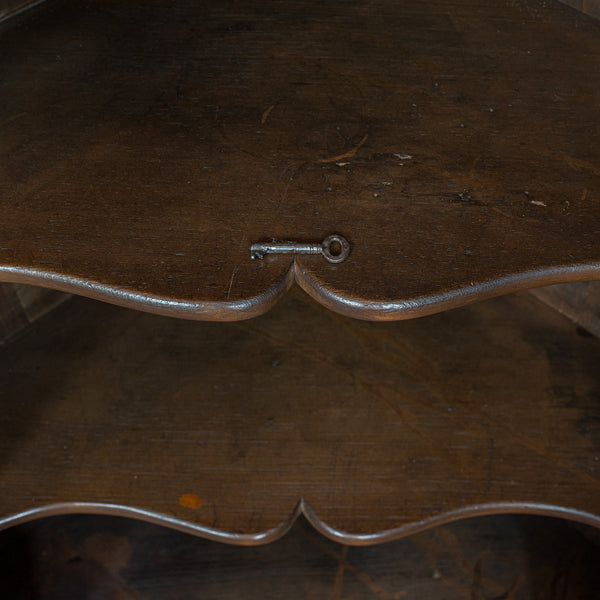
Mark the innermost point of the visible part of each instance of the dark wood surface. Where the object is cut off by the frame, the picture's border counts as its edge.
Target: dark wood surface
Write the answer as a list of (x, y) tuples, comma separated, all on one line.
[(580, 302), (371, 430), (10, 8), (590, 7), (83, 557), (21, 305), (143, 148)]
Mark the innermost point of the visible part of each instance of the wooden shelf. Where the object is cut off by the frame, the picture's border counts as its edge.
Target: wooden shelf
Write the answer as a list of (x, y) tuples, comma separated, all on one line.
[(85, 556), (231, 430), (144, 148)]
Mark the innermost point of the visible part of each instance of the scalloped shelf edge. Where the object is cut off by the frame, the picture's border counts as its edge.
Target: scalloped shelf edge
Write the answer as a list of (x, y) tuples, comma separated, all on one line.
[(301, 509), (425, 305), (359, 308)]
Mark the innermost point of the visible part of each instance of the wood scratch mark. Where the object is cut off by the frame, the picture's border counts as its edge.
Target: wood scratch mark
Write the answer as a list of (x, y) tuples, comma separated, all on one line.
[(509, 216), (489, 470), (479, 182), (287, 188), (580, 165), (348, 154), (231, 281), (266, 114), (584, 194)]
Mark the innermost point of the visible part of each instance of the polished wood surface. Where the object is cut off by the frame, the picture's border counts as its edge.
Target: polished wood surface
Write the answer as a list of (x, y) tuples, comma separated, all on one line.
[(144, 148), (371, 430)]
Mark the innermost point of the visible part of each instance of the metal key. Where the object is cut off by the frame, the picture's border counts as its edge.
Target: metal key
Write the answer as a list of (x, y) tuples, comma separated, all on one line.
[(334, 248)]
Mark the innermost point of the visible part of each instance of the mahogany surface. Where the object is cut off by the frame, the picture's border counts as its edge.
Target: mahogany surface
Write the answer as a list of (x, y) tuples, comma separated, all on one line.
[(144, 148), (372, 430)]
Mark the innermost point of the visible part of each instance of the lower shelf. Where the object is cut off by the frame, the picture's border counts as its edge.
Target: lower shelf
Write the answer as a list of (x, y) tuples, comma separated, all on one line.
[(510, 557), (372, 430)]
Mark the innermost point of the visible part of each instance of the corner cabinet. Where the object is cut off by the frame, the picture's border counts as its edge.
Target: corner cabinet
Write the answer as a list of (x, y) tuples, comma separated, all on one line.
[(144, 149)]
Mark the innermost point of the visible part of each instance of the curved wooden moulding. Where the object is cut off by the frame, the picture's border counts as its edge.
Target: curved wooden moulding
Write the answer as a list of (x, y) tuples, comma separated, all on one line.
[(143, 149), (304, 510), (371, 430), (347, 305)]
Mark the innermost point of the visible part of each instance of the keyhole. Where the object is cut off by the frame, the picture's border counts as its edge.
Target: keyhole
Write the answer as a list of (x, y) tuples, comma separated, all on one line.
[(336, 248)]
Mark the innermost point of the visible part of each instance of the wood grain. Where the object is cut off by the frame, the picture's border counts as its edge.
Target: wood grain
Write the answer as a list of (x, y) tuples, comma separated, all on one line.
[(371, 430), (143, 149)]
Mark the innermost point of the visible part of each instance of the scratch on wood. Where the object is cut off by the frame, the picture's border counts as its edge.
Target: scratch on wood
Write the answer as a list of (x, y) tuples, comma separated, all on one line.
[(584, 194), (479, 182), (231, 282), (348, 154), (490, 459), (266, 114), (509, 216), (578, 165)]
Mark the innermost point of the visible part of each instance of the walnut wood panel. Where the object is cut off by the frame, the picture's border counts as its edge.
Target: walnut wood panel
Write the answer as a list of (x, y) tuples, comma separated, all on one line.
[(143, 149), (372, 430)]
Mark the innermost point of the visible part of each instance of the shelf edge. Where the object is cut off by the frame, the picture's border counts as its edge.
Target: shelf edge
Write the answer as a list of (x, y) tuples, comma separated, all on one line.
[(335, 300), (302, 509)]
